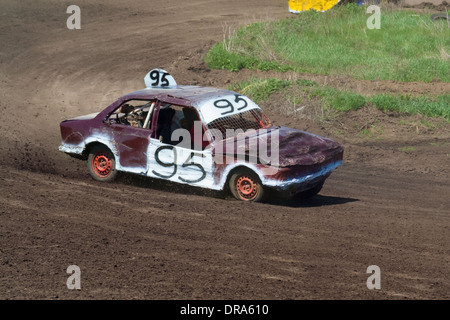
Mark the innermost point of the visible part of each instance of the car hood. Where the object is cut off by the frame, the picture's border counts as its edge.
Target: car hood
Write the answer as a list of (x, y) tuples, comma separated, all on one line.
[(280, 146)]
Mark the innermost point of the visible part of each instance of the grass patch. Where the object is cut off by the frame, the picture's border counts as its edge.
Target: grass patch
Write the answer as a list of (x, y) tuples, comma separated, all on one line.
[(219, 58), (260, 89), (408, 47), (338, 99), (330, 98), (438, 107), (408, 149)]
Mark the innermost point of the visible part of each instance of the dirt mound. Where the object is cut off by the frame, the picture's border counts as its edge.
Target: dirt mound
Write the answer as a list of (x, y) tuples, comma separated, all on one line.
[(435, 5)]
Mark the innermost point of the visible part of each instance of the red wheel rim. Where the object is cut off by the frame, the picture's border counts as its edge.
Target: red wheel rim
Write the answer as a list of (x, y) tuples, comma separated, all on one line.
[(246, 187), (102, 164)]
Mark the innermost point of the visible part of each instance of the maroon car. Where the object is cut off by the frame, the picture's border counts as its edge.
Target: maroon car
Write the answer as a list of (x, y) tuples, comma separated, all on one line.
[(201, 136)]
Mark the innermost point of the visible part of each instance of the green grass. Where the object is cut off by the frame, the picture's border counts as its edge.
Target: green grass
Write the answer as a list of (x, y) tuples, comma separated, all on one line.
[(408, 47), (260, 89), (407, 149), (433, 107), (338, 99), (331, 98), (219, 58)]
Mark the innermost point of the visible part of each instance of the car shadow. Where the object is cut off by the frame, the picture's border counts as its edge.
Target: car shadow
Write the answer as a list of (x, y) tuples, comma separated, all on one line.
[(315, 201), (173, 187), (166, 186)]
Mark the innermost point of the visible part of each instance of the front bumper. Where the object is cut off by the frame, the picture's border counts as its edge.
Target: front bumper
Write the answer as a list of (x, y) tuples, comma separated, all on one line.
[(299, 182)]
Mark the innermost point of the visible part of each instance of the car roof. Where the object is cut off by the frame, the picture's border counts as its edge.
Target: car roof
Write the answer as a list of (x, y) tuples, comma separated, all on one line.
[(183, 94)]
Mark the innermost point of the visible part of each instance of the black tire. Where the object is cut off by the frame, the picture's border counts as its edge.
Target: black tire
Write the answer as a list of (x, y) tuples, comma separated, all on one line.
[(438, 16), (311, 192), (245, 185), (102, 164)]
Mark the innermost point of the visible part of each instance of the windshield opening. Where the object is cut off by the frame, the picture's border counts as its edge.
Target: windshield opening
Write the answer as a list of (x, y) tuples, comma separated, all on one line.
[(231, 125)]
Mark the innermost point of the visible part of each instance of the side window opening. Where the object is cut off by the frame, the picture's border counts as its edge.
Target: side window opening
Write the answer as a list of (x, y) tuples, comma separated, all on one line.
[(173, 117), (165, 125)]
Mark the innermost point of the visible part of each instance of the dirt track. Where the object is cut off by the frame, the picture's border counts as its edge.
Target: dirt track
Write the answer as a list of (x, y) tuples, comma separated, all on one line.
[(144, 239)]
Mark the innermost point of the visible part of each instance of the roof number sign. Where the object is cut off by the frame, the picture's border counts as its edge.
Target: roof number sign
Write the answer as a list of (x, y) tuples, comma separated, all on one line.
[(159, 78)]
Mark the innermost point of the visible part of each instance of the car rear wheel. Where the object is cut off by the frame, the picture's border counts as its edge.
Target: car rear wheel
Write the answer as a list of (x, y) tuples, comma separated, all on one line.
[(101, 164), (246, 186)]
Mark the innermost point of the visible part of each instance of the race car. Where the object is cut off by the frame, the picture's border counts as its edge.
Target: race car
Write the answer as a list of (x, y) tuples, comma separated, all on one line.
[(201, 136)]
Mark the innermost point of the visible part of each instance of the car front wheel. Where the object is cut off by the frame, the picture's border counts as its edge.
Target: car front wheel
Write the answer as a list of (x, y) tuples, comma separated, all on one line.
[(101, 164), (246, 186)]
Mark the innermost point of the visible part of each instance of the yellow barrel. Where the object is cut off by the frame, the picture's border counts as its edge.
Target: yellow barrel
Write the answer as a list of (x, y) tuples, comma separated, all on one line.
[(304, 5)]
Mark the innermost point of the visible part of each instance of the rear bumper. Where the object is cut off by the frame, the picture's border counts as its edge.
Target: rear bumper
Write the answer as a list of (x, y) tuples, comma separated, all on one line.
[(71, 149)]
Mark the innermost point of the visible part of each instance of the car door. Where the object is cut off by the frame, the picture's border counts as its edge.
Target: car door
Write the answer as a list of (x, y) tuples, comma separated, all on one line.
[(132, 145), (176, 161), (131, 142)]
